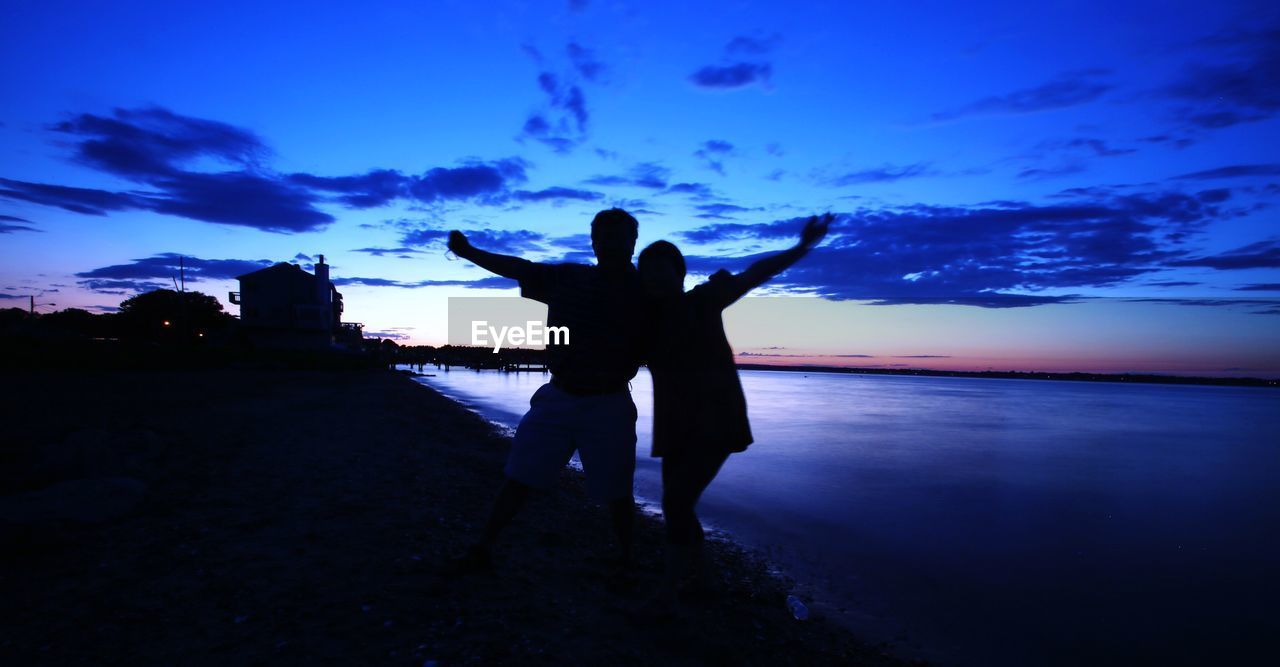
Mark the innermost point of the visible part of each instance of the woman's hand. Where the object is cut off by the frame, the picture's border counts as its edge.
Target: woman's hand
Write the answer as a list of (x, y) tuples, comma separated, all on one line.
[(815, 228), (458, 243)]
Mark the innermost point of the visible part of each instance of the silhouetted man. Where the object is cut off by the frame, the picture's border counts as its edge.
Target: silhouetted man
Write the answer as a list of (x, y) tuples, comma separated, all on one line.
[(587, 404)]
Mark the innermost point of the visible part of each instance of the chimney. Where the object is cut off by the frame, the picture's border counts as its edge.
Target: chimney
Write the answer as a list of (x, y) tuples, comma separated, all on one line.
[(324, 296)]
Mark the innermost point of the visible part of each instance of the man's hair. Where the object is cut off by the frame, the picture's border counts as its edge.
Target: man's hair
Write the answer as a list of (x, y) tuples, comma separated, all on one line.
[(615, 217), (659, 250)]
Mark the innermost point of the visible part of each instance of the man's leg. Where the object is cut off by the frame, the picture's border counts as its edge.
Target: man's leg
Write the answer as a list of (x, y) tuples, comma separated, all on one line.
[(511, 499), (479, 557), (606, 439), (540, 449), (622, 513)]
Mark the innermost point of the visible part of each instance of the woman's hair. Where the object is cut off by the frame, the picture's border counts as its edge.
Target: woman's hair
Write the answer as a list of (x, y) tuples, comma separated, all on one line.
[(662, 250)]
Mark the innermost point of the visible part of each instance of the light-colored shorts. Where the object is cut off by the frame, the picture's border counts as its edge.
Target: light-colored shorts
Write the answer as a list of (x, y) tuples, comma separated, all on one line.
[(602, 429)]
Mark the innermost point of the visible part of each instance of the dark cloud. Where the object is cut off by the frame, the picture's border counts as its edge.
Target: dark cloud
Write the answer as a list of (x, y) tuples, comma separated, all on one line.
[(1260, 287), (152, 141), (884, 174), (7, 225), (644, 175), (720, 211), (713, 152), (556, 194), (1235, 79), (154, 148), (142, 274), (994, 255), (389, 335), (743, 65), (1232, 171), (78, 200), (495, 240), (1067, 90), (561, 123), (1062, 157), (1173, 283), (1260, 255), (694, 190), (491, 282), (752, 46), (1098, 147), (1036, 174), (730, 77), (585, 62), (403, 252)]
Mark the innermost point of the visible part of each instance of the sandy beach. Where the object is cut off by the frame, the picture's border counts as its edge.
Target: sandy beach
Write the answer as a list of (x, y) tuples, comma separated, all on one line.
[(237, 517)]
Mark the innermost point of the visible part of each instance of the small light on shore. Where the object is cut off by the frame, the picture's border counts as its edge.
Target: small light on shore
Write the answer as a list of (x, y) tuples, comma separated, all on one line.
[(166, 323)]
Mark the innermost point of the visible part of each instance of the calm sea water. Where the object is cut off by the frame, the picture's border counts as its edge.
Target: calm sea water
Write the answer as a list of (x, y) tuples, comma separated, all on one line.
[(1013, 522)]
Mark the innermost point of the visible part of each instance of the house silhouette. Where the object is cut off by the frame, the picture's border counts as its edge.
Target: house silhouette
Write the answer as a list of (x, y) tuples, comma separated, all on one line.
[(284, 306)]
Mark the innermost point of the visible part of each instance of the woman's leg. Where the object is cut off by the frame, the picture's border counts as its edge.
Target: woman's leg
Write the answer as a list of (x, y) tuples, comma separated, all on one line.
[(684, 477)]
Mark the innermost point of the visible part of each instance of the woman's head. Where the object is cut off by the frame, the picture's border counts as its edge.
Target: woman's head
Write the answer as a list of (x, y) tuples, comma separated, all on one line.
[(662, 268)]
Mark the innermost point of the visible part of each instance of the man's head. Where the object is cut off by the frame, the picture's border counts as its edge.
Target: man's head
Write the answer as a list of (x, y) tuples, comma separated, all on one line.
[(613, 237)]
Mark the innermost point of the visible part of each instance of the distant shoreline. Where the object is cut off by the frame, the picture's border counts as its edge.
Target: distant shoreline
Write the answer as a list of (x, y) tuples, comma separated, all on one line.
[(1143, 378)]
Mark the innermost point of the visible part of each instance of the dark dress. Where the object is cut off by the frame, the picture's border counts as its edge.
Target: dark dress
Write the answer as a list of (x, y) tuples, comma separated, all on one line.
[(697, 399)]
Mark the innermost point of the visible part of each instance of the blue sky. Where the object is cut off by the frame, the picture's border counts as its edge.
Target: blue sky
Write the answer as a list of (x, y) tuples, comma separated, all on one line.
[(1027, 162)]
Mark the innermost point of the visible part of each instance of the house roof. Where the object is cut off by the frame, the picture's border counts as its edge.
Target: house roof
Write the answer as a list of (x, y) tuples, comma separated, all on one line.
[(283, 268)]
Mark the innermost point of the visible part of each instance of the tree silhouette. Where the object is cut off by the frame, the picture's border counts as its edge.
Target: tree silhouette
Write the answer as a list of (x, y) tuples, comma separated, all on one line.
[(166, 315)]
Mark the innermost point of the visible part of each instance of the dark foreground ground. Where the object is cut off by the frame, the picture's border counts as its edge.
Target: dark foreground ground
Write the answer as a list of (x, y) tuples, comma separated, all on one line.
[(240, 517)]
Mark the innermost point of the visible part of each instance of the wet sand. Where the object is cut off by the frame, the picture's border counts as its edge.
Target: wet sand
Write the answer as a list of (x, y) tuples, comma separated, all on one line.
[(237, 517)]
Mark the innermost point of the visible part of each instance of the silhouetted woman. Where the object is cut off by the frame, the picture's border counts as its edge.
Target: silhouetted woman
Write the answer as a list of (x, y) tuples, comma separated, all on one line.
[(699, 412)]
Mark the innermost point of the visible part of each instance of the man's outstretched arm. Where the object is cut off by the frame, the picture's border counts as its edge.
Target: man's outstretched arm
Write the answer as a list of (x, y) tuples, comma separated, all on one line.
[(503, 265), (764, 269)]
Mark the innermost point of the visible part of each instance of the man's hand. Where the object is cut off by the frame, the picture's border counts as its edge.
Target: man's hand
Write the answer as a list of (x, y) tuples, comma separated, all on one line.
[(815, 228), (458, 243)]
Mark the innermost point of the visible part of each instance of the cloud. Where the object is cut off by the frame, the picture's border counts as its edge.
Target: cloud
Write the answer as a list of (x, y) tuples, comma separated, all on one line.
[(157, 148), (731, 77), (140, 274), (752, 46), (402, 252), (883, 174), (87, 201), (7, 225), (995, 255), (743, 64), (1232, 171), (1232, 81), (694, 190), (585, 62), (495, 240), (644, 175), (1260, 287), (713, 152), (720, 211), (561, 122), (1066, 90), (1260, 255), (1173, 283), (491, 282), (556, 194)]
